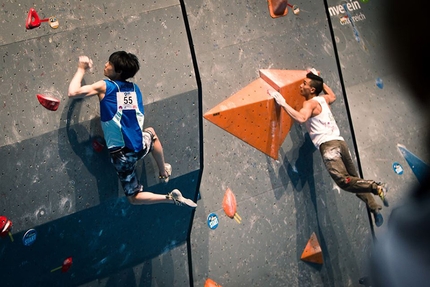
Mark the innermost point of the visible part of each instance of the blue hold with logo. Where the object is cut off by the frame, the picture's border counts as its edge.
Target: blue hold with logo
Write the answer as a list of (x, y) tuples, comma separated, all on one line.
[(213, 221)]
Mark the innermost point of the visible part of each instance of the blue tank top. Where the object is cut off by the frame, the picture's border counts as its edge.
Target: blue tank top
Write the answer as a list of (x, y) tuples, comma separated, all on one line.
[(122, 115)]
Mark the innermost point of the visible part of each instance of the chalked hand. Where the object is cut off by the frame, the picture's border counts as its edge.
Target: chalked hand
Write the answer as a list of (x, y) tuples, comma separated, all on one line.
[(277, 96), (85, 62)]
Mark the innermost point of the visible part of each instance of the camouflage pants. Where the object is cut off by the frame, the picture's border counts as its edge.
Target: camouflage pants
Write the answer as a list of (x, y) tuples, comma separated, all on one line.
[(125, 161), (339, 164)]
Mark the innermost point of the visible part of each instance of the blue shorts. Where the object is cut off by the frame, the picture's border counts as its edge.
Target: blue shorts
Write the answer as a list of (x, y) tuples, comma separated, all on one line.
[(125, 160)]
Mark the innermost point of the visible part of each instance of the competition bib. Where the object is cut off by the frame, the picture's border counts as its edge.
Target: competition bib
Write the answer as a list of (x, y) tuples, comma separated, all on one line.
[(126, 100)]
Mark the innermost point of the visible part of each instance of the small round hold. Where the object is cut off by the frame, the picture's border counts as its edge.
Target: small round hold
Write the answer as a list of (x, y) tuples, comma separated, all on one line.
[(296, 10), (29, 237), (213, 221), (53, 22), (97, 145)]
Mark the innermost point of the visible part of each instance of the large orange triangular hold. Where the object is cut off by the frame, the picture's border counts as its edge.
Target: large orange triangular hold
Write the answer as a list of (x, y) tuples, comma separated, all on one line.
[(253, 116), (287, 83), (33, 20), (312, 252)]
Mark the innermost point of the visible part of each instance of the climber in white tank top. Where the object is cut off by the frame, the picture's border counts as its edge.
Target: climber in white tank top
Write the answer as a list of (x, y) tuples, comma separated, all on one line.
[(325, 135), (322, 128)]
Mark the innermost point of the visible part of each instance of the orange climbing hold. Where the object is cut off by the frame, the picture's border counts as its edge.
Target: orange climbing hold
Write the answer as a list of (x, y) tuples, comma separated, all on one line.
[(254, 117), (287, 83), (210, 283), (312, 252), (229, 205), (278, 8), (250, 115)]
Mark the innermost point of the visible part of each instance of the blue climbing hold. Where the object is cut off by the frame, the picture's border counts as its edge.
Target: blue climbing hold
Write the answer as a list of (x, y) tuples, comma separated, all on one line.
[(379, 83), (419, 168)]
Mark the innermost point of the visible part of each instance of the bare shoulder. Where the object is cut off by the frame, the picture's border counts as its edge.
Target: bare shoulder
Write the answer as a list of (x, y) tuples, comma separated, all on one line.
[(311, 103), (100, 86), (314, 106)]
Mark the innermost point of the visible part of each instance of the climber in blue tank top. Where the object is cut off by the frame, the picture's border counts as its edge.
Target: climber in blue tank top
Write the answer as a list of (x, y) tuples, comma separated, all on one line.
[(122, 114), (122, 120)]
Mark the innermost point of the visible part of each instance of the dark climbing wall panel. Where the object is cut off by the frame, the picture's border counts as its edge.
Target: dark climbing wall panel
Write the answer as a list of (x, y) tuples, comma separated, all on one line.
[(52, 178)]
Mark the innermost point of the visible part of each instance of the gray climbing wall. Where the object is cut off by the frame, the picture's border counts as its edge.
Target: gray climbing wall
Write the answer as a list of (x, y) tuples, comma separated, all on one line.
[(282, 202), (53, 180), (384, 116)]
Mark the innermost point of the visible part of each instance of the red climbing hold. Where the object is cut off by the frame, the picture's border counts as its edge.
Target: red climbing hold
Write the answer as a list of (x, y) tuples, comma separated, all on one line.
[(98, 145), (5, 227), (48, 102), (33, 20), (67, 263)]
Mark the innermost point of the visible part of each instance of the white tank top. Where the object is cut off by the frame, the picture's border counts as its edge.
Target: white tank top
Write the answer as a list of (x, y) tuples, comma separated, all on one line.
[(322, 128)]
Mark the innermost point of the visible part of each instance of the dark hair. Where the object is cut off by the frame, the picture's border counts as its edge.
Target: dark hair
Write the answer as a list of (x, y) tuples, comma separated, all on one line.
[(316, 82), (125, 63)]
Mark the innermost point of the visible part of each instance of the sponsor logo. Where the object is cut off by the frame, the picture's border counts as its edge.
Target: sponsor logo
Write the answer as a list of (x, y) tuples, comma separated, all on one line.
[(345, 12), (213, 221), (29, 237)]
